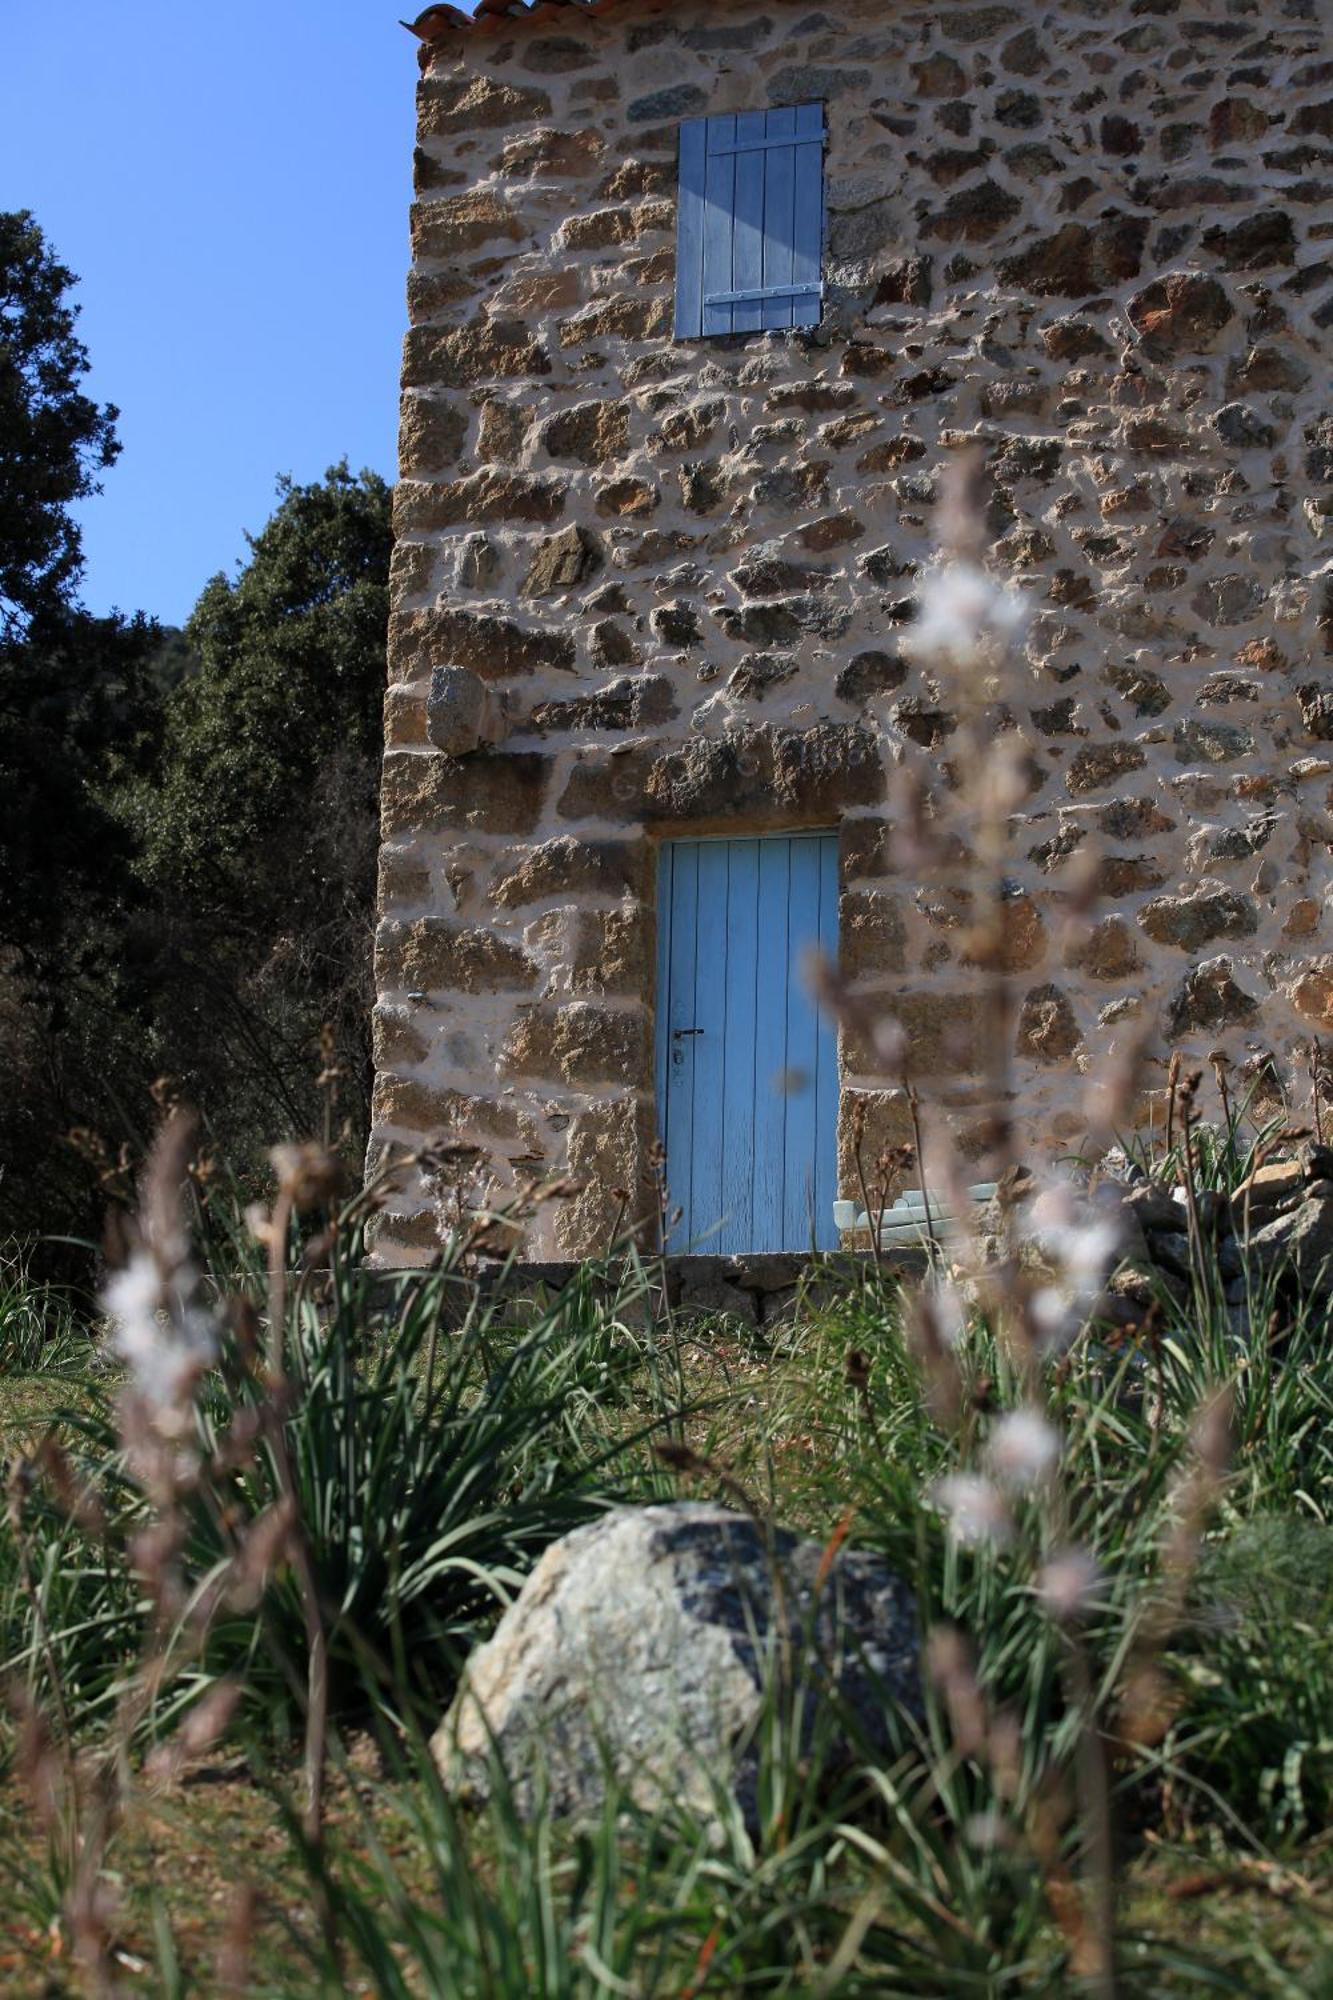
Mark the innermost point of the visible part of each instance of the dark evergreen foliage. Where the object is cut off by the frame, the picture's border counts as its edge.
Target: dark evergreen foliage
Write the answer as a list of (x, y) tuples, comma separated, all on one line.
[(188, 821), (53, 439)]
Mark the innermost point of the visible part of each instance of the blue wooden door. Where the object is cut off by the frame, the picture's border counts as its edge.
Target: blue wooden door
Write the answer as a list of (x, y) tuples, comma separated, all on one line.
[(747, 1068)]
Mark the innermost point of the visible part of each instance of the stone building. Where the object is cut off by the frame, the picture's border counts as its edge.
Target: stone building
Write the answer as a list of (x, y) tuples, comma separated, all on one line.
[(667, 473)]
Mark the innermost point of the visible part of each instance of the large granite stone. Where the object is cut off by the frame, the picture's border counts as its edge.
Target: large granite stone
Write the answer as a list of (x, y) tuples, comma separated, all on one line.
[(647, 1643)]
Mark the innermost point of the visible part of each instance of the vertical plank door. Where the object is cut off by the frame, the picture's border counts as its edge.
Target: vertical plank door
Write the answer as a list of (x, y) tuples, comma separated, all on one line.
[(747, 1072)]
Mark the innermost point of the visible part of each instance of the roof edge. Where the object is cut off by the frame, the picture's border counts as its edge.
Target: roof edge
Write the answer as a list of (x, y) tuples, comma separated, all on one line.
[(440, 24)]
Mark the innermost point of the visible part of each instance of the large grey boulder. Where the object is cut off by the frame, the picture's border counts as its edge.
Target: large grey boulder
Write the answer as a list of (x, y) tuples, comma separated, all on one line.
[(644, 1644)]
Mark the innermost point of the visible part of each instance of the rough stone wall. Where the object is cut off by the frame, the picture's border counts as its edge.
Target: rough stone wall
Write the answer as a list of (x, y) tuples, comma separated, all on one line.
[(642, 587)]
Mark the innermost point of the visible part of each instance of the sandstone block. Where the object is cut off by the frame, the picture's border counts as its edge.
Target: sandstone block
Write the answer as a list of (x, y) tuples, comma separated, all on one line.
[(921, 721), (434, 955), (1127, 875), (492, 495), (863, 848), (1209, 998), (418, 1107), (1316, 710), (677, 625), (940, 75), (609, 952), (975, 214), (610, 228), (502, 433), (594, 433), (609, 1150), (633, 177), (872, 937), (477, 563), (688, 429), (1256, 243), (1108, 952), (627, 499), (1265, 370), (549, 151), (1312, 993), (476, 103), (493, 648), (635, 701), (617, 318), (1146, 692), (579, 1042), (442, 228), (940, 1035), (1243, 428), (678, 100), (491, 791), (1016, 943), (868, 674), (1191, 921), (1301, 1242), (396, 1041), (1102, 764), (1181, 314), (431, 435), (1194, 741), (871, 1123), (1048, 1030), (568, 867), (1074, 339), (611, 646), (768, 573), (562, 562), (778, 776), (403, 876), (404, 717), (468, 357), (1079, 260), (411, 572)]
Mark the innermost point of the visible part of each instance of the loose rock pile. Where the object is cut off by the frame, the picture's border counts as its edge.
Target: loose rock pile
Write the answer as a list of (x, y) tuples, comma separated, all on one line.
[(646, 1644), (1276, 1225)]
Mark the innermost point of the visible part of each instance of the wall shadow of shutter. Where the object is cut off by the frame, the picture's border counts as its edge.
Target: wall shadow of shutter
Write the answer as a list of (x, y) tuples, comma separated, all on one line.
[(750, 222)]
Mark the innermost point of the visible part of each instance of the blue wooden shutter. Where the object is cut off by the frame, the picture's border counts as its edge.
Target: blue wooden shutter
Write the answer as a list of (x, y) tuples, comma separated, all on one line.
[(750, 228)]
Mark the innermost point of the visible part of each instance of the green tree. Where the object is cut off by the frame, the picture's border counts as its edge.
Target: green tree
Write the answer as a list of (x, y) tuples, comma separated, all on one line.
[(258, 831), (77, 721), (188, 822), (53, 440)]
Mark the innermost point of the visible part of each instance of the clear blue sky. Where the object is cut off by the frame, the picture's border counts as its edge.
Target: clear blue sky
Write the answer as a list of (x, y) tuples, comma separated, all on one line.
[(231, 184)]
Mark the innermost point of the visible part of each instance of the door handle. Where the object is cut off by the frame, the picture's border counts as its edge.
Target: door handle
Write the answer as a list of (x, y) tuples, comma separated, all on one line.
[(679, 1034)]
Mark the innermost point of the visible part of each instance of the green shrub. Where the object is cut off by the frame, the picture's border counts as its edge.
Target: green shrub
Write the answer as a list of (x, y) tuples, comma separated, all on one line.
[(1257, 1661), (437, 1450)]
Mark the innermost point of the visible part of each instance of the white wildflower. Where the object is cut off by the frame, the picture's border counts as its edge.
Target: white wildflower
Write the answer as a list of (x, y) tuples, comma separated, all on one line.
[(1023, 1449), (962, 612), (946, 1303), (987, 1831), (974, 1508), (166, 1340), (1085, 1252), (1078, 1241), (1053, 1320), (1068, 1583)]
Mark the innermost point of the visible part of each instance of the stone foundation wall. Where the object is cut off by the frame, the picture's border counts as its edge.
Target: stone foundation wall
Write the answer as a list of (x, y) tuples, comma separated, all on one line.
[(644, 587)]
